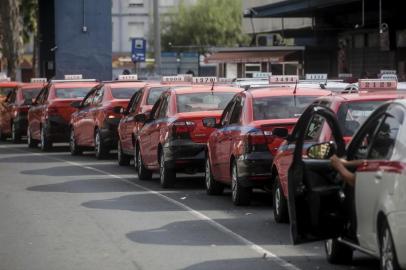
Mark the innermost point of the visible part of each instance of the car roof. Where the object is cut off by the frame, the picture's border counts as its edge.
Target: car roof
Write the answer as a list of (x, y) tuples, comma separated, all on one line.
[(205, 88), (287, 91), (73, 84), (9, 84), (32, 85), (367, 96), (120, 84)]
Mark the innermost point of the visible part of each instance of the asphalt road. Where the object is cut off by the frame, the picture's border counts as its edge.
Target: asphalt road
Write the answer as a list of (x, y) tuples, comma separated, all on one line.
[(63, 212)]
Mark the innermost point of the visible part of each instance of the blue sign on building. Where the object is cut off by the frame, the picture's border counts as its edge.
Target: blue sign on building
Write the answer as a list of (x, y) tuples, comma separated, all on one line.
[(138, 49)]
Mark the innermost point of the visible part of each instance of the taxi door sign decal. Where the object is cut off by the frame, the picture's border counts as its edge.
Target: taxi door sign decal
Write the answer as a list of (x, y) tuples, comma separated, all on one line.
[(128, 77), (283, 79), (371, 84), (316, 76), (204, 80)]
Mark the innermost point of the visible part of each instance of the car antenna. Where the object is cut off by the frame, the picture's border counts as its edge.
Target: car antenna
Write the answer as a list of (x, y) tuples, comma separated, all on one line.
[(294, 93), (212, 88)]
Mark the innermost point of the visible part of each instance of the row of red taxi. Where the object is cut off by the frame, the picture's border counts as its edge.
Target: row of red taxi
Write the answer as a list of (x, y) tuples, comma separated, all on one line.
[(242, 139)]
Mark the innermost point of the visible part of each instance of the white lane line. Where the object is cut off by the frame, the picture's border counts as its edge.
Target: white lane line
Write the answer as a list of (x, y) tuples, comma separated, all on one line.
[(258, 249)]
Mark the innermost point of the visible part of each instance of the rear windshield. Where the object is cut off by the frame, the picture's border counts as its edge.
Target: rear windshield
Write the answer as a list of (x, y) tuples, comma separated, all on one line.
[(79, 92), (124, 93), (352, 115), (4, 91), (30, 93), (207, 101), (154, 94), (280, 107)]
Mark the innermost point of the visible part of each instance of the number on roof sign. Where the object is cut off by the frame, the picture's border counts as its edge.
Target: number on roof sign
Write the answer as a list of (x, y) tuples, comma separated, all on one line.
[(388, 71), (128, 77), (263, 75), (314, 76), (368, 84), (173, 79), (38, 80), (73, 77), (283, 79), (204, 80), (225, 80)]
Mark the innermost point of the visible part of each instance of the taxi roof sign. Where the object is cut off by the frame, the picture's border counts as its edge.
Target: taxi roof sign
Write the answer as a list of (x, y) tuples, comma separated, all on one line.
[(173, 79), (261, 75), (38, 80), (345, 75), (316, 76), (389, 77), (128, 77), (377, 84), (204, 80), (388, 71), (283, 79), (73, 77)]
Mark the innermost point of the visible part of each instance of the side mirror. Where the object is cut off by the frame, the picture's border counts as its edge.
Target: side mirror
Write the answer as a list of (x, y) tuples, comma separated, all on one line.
[(28, 102), (76, 104), (118, 110), (280, 132), (322, 150), (210, 122), (142, 117)]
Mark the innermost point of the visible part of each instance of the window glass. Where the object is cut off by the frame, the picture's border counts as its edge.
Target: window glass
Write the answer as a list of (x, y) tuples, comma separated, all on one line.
[(123, 93), (352, 115), (164, 107), (74, 92), (206, 101), (236, 113), (385, 138), (365, 139), (314, 128), (4, 91), (226, 113), (11, 98), (280, 107), (134, 101), (30, 93), (154, 94), (98, 97), (88, 99), (155, 108)]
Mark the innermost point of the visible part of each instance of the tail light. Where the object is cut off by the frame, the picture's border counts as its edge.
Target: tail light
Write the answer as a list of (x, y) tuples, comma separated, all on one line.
[(182, 129), (258, 141)]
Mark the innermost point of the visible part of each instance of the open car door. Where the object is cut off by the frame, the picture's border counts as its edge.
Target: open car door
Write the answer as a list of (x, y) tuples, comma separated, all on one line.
[(315, 204)]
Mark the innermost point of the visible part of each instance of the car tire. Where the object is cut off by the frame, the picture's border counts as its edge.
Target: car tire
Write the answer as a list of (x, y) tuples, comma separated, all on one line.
[(280, 204), (240, 195), (100, 149), (337, 252), (143, 172), (212, 186), (31, 143), (388, 259), (167, 176), (123, 159), (15, 135), (75, 150), (46, 144)]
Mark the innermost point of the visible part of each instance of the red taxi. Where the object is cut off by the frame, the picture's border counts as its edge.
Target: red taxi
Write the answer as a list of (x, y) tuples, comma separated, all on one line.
[(13, 112), (141, 102), (94, 124), (241, 149), (49, 115), (174, 138), (351, 110)]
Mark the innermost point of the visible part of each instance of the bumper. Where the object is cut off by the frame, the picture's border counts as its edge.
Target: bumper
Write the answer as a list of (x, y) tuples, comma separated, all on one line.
[(254, 169), (185, 156), (57, 129), (397, 225), (109, 132)]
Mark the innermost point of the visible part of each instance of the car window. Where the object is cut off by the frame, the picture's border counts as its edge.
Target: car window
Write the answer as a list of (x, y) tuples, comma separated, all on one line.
[(164, 107), (385, 138), (74, 92), (314, 128), (4, 91), (204, 101), (227, 113), (88, 99), (124, 93), (155, 108), (98, 97), (11, 98), (154, 93), (29, 94), (237, 110), (134, 101)]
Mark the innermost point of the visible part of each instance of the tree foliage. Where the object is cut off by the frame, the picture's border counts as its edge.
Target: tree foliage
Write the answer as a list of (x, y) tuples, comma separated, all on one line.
[(205, 24)]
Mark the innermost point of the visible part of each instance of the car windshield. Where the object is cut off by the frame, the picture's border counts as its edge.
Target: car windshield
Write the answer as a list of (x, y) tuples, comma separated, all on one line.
[(74, 92), (4, 91), (206, 101), (280, 107), (154, 94), (353, 114), (124, 93), (30, 93)]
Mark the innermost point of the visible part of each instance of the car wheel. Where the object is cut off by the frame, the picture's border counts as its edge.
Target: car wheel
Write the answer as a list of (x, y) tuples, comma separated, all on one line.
[(143, 172), (46, 144), (338, 253), (30, 141), (123, 159), (240, 195), (15, 135), (100, 149), (167, 176), (388, 258), (280, 204), (212, 186), (74, 148)]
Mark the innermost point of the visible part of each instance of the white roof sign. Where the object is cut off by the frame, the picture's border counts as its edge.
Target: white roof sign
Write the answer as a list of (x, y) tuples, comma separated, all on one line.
[(283, 79), (377, 84), (73, 77), (38, 80), (128, 77), (316, 76), (204, 80)]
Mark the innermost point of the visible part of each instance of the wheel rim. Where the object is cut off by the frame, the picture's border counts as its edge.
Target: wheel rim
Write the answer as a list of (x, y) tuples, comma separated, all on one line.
[(72, 142), (387, 252), (139, 161), (28, 136), (277, 199), (119, 155), (42, 138), (234, 185), (161, 168), (97, 143), (207, 176), (13, 132), (329, 246)]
